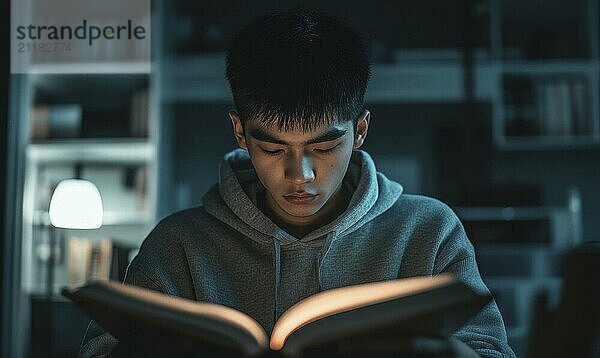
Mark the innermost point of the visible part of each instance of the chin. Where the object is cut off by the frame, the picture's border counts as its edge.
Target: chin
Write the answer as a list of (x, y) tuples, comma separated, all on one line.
[(304, 211)]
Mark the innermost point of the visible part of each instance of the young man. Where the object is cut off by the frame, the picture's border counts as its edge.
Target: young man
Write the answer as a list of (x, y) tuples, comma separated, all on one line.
[(299, 208)]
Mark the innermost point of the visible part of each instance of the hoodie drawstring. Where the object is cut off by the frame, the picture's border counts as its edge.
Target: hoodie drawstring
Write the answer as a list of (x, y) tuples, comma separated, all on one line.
[(324, 252), (277, 257), (277, 249)]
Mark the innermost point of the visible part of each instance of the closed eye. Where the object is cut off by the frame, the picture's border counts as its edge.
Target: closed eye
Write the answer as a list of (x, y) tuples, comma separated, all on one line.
[(327, 150), (272, 152)]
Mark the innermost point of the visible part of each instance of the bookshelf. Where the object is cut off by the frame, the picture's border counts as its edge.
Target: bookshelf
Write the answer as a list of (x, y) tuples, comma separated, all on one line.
[(90, 120), (547, 75), (95, 127), (99, 127)]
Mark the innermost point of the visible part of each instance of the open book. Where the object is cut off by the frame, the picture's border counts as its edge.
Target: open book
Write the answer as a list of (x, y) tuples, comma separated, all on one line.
[(361, 314)]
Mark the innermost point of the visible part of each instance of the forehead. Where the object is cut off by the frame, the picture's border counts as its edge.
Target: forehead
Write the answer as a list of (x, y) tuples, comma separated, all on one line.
[(261, 131)]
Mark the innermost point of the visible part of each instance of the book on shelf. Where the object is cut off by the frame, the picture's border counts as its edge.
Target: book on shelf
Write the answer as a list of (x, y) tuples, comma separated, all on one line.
[(547, 106), (562, 107), (89, 260), (55, 121), (582, 123), (377, 314), (139, 113)]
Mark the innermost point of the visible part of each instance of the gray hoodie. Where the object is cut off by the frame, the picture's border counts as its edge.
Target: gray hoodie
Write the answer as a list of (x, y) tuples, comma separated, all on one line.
[(228, 252)]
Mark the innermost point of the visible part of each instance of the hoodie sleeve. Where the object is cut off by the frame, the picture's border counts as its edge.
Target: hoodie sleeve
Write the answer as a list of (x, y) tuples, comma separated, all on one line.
[(160, 265), (96, 341), (485, 332)]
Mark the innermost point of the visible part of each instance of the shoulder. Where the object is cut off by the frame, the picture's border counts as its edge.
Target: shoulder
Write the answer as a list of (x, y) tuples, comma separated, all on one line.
[(435, 236), (165, 249), (427, 221), (423, 209), (184, 221), (180, 227)]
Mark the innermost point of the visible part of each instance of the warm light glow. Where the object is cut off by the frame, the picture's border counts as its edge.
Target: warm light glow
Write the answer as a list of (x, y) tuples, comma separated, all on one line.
[(328, 303), (211, 310), (76, 204)]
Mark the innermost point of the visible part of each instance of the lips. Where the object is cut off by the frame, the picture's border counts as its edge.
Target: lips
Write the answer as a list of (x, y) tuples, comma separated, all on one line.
[(300, 199)]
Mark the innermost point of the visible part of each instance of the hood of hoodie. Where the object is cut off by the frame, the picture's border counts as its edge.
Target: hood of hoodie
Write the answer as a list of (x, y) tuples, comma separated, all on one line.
[(234, 200)]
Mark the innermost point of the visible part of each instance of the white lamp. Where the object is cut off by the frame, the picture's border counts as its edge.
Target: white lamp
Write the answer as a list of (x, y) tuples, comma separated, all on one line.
[(76, 204)]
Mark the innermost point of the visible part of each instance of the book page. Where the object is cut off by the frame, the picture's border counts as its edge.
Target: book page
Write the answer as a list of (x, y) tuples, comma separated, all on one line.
[(229, 315), (330, 302)]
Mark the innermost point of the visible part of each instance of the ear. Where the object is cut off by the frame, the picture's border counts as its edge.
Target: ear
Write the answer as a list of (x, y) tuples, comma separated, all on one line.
[(362, 127), (238, 129)]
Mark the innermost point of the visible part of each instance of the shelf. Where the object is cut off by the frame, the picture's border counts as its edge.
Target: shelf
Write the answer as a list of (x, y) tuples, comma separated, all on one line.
[(196, 78), (517, 249), (97, 150), (517, 332), (56, 297), (552, 67), (549, 142), (90, 67), (499, 282), (110, 218), (425, 82), (508, 213), (202, 78)]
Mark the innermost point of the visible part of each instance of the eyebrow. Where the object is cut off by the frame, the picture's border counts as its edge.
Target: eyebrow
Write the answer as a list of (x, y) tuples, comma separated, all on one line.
[(329, 135)]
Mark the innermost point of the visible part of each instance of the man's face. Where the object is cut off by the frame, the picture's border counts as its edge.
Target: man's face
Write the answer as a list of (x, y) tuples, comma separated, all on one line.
[(302, 172)]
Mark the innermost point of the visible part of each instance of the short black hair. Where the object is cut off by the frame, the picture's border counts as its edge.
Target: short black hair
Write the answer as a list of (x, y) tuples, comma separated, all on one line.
[(299, 69)]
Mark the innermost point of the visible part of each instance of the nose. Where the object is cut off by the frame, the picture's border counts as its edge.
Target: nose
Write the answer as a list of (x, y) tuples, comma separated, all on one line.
[(299, 169)]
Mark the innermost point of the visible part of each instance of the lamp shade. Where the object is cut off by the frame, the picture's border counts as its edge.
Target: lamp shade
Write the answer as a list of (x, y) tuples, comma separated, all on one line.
[(76, 204)]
